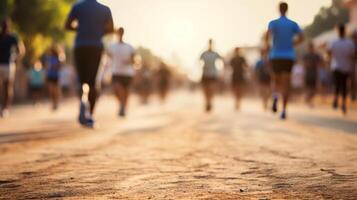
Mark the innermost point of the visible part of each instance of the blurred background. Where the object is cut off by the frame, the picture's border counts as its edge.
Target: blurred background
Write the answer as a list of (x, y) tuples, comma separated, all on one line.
[(175, 32)]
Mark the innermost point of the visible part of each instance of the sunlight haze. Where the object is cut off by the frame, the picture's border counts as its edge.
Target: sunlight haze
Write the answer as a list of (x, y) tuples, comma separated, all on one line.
[(178, 30)]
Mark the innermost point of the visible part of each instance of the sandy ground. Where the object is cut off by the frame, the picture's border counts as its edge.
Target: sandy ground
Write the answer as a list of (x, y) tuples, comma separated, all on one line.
[(175, 151)]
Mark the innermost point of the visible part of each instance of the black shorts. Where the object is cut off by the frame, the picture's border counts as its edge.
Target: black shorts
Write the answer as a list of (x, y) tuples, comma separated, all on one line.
[(282, 65), (310, 83), (124, 81), (237, 81), (35, 88), (87, 60), (208, 80), (53, 80)]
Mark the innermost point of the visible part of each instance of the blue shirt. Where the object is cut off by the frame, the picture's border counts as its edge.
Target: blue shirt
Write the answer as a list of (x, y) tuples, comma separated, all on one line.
[(36, 77), (283, 30), (92, 18), (53, 66)]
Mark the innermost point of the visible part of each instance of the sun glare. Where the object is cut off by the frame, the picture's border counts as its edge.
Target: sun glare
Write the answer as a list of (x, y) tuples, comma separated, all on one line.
[(179, 33)]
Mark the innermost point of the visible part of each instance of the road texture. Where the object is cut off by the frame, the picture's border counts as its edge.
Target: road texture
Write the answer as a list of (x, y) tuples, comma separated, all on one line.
[(176, 151)]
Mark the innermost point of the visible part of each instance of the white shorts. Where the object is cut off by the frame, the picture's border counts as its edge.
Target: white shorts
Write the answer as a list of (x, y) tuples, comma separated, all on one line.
[(7, 72)]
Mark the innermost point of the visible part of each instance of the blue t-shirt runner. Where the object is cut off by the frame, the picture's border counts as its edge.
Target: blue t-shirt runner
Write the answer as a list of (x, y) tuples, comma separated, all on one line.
[(91, 20), (285, 34)]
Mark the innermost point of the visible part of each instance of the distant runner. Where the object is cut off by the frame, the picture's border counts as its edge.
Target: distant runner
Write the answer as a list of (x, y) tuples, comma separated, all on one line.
[(91, 20), (36, 81), (285, 34), (163, 78), (341, 53), (312, 62), (10, 50), (210, 74), (54, 61), (239, 65), (263, 78), (122, 55)]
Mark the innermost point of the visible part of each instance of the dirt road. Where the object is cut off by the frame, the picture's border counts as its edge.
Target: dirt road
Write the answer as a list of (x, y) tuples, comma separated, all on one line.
[(175, 151)]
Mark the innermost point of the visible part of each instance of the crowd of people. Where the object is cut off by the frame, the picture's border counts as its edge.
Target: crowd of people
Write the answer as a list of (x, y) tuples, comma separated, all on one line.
[(280, 69), (92, 21)]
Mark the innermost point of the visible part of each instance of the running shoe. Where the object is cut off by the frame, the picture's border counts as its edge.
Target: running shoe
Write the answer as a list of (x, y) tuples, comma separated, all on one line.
[(275, 105), (283, 115), (122, 112)]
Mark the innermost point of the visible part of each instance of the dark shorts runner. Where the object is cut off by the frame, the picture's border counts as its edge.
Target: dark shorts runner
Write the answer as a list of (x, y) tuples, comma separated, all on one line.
[(282, 65), (123, 80)]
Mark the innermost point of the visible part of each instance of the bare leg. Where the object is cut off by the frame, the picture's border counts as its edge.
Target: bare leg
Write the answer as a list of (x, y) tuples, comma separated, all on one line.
[(208, 93), (122, 95), (7, 94), (276, 88), (285, 84), (237, 95)]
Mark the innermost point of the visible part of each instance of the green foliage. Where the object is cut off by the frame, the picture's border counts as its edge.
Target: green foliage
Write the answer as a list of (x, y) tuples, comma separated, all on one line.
[(327, 19), (6, 8), (39, 22)]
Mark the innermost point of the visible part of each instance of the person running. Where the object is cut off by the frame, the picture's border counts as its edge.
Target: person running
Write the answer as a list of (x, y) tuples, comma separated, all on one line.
[(285, 34), (144, 83), (312, 62), (66, 80), (263, 78), (122, 55), (210, 74), (91, 20), (239, 65), (164, 76), (53, 63), (10, 49), (36, 81), (341, 54)]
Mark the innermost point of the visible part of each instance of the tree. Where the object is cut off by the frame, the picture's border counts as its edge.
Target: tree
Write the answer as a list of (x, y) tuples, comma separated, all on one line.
[(327, 19), (6, 8), (38, 22)]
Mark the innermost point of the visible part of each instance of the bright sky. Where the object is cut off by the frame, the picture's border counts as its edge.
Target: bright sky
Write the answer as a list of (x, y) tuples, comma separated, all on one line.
[(178, 30)]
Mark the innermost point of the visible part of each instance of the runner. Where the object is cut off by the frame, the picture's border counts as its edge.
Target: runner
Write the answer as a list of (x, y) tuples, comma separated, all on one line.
[(285, 34), (312, 62), (239, 65), (210, 74), (10, 49), (122, 55), (36, 81), (91, 20), (263, 77), (66, 80), (341, 53), (144, 83), (53, 63), (164, 77)]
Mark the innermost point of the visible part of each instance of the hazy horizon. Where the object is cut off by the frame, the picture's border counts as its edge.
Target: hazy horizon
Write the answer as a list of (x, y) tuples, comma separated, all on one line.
[(178, 30)]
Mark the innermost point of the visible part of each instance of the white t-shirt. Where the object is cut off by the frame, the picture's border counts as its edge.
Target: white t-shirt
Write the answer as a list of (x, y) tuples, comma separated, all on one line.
[(297, 79), (342, 55), (209, 58), (121, 59)]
